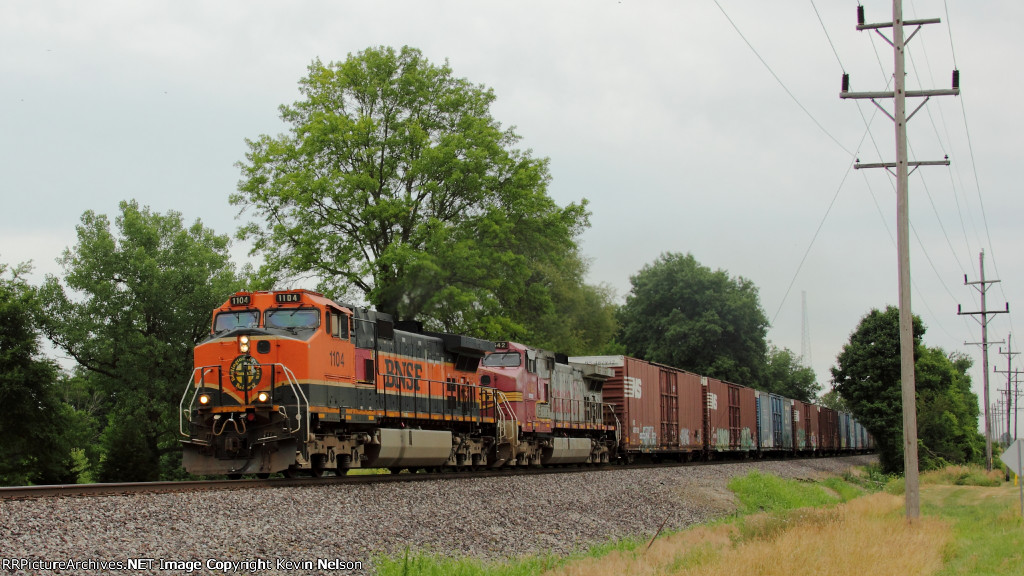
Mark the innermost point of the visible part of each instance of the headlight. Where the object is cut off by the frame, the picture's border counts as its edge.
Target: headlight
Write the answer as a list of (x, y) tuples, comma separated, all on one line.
[(204, 400), (262, 397), (243, 344)]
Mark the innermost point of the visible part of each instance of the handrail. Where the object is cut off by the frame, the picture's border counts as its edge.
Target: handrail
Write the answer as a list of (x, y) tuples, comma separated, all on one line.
[(502, 407), (293, 383), (618, 425), (182, 411)]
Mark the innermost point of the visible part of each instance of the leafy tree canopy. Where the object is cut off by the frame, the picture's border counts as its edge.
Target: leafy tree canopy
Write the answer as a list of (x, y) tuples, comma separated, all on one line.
[(785, 375), (31, 449), (394, 185), (868, 377), (683, 314), (948, 411), (834, 400), (132, 305)]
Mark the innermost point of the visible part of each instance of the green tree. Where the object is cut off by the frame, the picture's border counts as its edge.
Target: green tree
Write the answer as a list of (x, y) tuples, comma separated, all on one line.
[(868, 377), (32, 449), (394, 185), (785, 375), (682, 313), (132, 305), (834, 400), (572, 317), (948, 411)]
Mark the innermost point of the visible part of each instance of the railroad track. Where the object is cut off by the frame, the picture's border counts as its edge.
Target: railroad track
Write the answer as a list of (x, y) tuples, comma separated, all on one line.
[(124, 488)]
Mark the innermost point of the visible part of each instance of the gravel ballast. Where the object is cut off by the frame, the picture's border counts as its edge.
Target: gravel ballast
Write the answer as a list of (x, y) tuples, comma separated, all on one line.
[(325, 530)]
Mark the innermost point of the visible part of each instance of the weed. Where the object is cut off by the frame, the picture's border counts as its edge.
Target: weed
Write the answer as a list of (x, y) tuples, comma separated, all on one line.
[(759, 492)]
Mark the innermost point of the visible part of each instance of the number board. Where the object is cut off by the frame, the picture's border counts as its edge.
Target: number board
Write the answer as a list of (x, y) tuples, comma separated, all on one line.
[(241, 300), (288, 298), (501, 345)]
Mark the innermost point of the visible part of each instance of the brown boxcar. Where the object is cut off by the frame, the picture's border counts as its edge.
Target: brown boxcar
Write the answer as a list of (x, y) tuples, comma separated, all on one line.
[(828, 429), (691, 411), (730, 416), (659, 408), (809, 418)]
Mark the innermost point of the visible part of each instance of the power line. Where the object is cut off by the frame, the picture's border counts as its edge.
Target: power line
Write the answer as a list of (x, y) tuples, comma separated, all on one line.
[(974, 165), (779, 80), (825, 30)]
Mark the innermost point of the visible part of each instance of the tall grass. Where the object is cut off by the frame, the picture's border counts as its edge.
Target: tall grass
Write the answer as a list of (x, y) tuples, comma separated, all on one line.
[(794, 528), (951, 475), (864, 536), (987, 527)]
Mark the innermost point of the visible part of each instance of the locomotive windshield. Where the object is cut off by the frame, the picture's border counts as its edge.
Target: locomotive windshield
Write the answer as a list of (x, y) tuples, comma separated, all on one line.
[(236, 319), (503, 360), (292, 319)]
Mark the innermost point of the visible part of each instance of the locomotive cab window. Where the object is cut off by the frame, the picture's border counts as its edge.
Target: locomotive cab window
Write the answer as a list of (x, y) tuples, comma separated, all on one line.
[(337, 324), (297, 321), (502, 360), (236, 319)]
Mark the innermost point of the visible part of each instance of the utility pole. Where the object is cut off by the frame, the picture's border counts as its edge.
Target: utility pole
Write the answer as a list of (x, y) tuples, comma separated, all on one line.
[(1014, 398), (984, 320), (998, 408), (900, 118), (1010, 376), (1016, 403)]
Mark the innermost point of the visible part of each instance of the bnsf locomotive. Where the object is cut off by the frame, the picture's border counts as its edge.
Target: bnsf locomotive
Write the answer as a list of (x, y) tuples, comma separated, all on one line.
[(291, 381)]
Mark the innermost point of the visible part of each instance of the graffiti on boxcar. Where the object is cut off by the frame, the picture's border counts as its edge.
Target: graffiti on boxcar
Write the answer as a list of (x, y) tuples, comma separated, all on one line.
[(648, 437), (722, 439), (746, 439)]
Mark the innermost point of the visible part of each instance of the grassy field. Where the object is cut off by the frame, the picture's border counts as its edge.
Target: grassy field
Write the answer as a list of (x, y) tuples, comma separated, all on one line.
[(970, 525)]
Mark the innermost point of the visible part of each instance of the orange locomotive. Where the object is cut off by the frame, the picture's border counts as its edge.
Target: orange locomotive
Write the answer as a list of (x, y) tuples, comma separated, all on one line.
[(291, 381)]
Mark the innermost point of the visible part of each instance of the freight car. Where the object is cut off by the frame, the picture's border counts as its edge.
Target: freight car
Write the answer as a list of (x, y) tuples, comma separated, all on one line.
[(659, 409), (668, 413)]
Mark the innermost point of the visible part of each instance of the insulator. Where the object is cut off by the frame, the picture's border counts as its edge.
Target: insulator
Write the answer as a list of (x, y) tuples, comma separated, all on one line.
[(846, 82), (860, 14), (956, 79)]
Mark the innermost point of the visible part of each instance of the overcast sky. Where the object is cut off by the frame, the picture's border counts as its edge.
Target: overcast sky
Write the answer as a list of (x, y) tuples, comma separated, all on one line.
[(707, 127)]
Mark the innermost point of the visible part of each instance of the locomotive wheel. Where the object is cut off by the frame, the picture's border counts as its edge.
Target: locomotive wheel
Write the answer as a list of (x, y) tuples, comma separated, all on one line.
[(288, 473), (318, 465)]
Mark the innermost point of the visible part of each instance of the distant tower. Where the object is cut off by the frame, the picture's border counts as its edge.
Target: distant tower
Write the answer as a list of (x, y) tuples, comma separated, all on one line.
[(805, 331)]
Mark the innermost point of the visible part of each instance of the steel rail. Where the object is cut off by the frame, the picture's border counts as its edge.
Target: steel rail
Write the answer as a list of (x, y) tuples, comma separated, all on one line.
[(164, 487)]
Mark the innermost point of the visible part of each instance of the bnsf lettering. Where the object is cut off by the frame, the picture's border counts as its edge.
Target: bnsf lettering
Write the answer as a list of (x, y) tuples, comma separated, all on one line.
[(288, 298), (404, 376)]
